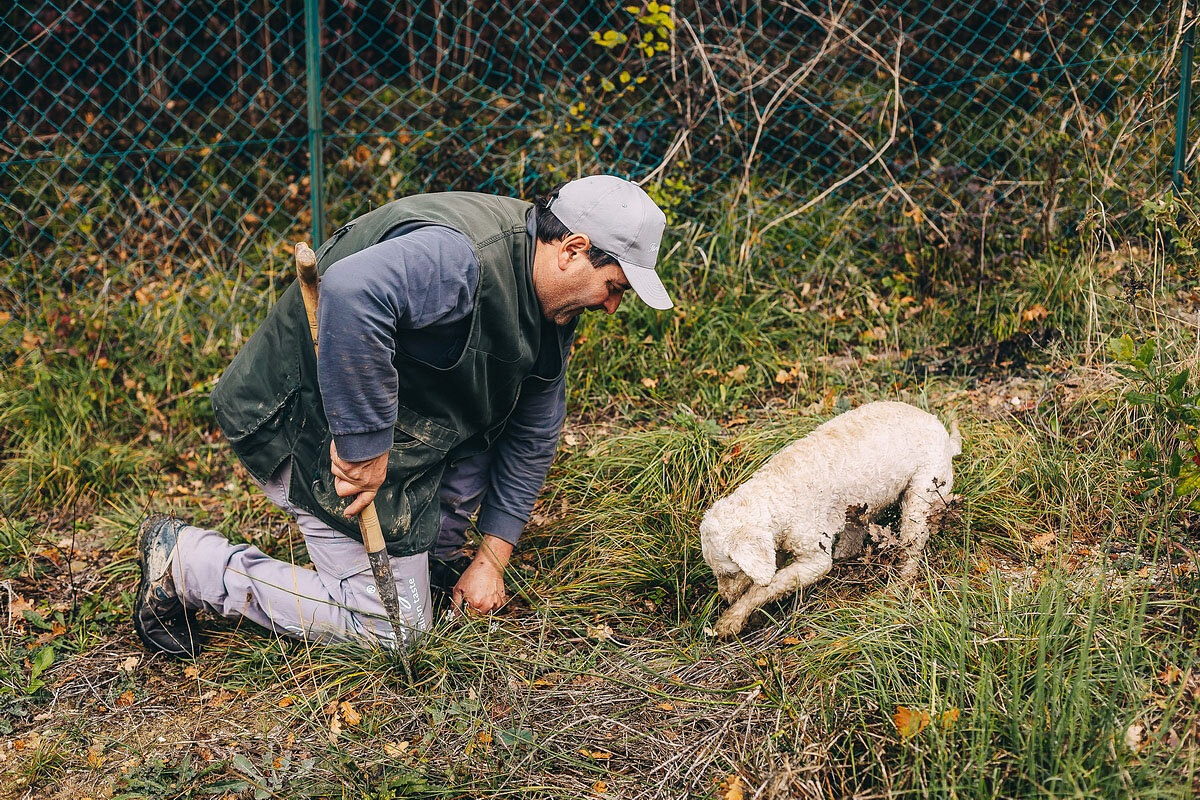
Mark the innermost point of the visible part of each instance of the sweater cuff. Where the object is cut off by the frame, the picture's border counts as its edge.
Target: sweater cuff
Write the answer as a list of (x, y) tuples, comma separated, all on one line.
[(496, 522), (363, 446)]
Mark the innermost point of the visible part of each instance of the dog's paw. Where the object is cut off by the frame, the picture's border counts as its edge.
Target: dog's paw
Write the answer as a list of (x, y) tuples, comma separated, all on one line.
[(728, 625)]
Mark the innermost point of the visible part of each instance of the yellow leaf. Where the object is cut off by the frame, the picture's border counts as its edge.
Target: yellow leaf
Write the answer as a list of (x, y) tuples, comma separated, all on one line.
[(351, 716), (649, 383), (624, 77), (126, 698), (285, 702), (784, 376), (909, 722), (949, 718), (791, 640), (666, 706), (735, 790), (599, 787)]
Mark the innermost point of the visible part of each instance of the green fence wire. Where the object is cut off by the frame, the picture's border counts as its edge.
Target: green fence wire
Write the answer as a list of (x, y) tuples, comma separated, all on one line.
[(156, 156)]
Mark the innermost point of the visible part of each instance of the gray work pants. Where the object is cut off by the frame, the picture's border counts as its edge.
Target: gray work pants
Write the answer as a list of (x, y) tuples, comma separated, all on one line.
[(336, 600)]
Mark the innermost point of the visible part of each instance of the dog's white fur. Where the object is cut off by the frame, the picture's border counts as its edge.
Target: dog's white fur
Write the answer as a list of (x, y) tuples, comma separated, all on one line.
[(825, 484)]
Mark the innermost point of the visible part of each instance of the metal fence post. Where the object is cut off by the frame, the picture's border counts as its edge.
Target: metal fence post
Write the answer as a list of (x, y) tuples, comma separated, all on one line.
[(316, 157), (1185, 103)]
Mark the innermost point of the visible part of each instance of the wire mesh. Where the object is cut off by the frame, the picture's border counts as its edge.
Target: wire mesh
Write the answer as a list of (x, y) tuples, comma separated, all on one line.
[(154, 153)]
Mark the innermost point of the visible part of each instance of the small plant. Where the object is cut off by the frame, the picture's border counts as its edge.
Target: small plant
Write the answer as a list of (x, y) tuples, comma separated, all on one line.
[(1172, 458)]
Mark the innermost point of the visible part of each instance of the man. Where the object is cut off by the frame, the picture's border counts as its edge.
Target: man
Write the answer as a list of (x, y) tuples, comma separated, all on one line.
[(445, 323)]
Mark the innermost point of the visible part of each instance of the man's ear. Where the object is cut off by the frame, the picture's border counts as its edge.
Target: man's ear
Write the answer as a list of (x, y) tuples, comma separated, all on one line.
[(755, 555), (576, 244)]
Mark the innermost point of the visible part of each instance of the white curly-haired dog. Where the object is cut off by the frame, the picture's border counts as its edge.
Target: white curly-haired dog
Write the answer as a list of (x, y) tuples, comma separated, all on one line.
[(825, 487)]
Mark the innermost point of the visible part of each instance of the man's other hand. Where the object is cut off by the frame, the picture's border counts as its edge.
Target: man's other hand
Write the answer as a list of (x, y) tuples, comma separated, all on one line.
[(481, 587), (361, 478)]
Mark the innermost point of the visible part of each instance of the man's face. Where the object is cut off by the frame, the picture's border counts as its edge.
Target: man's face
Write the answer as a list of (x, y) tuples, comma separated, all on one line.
[(573, 285)]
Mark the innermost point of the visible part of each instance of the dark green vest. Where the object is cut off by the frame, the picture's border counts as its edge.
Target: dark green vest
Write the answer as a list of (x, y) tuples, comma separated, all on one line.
[(268, 402)]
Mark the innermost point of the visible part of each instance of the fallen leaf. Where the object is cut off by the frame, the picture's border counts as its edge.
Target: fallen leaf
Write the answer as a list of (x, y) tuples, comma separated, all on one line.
[(484, 738), (395, 750), (596, 754), (599, 787), (95, 756), (666, 706), (191, 672), (1144, 572), (335, 727), (791, 640), (284, 702), (738, 373), (909, 722), (1034, 313), (649, 383), (126, 698), (950, 717), (349, 714), (1133, 737), (600, 632), (783, 376), (1043, 541), (130, 664), (734, 790)]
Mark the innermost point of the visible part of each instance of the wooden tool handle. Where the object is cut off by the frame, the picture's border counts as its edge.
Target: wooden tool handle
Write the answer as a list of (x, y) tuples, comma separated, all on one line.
[(306, 266), (368, 523)]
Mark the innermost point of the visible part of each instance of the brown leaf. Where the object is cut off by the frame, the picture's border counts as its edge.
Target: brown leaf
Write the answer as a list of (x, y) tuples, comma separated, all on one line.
[(191, 672), (349, 714), (599, 787), (395, 750), (649, 383), (949, 718), (666, 706), (738, 373), (791, 640), (909, 722), (126, 698), (1034, 313), (284, 702), (734, 790), (335, 727), (1043, 541)]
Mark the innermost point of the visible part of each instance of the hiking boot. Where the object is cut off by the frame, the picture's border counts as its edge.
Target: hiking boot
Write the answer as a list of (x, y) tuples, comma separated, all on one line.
[(159, 616), (443, 575)]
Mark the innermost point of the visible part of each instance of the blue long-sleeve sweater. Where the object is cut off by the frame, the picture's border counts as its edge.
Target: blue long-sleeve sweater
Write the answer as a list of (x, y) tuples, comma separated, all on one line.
[(414, 291)]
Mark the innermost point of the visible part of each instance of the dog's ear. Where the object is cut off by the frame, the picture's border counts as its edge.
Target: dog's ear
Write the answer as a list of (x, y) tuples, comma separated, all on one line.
[(755, 556)]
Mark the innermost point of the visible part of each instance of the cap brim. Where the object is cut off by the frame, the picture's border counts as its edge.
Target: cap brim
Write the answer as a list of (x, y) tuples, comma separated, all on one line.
[(647, 285)]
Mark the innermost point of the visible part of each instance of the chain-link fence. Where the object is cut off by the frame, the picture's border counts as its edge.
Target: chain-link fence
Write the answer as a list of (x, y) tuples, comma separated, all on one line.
[(157, 155)]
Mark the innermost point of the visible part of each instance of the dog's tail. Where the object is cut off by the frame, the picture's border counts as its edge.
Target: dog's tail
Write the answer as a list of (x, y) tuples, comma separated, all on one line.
[(955, 438)]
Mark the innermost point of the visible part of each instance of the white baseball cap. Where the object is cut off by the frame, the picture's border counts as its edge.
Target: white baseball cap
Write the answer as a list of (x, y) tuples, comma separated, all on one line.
[(621, 220)]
